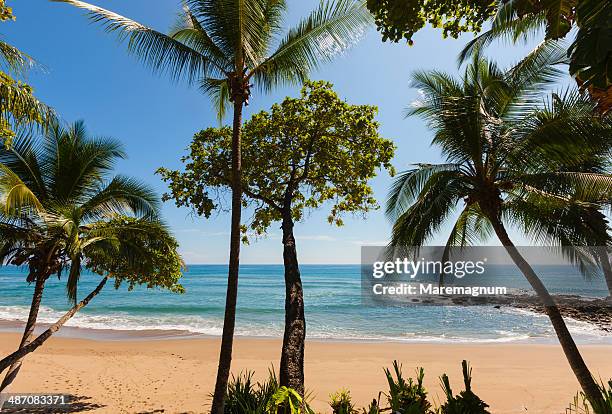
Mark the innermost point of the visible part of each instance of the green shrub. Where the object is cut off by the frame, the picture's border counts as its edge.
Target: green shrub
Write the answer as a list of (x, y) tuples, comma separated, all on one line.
[(466, 402), (341, 403), (244, 396), (410, 397), (406, 397), (285, 401), (373, 408)]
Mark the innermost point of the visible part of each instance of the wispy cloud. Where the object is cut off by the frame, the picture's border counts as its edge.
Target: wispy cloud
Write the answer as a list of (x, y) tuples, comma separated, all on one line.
[(370, 242)]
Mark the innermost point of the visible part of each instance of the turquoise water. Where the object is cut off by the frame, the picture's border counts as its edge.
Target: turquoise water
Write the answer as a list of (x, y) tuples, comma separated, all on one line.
[(334, 308)]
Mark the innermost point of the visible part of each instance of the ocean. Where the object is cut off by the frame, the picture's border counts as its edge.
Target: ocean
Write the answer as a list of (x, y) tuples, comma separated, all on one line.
[(334, 309)]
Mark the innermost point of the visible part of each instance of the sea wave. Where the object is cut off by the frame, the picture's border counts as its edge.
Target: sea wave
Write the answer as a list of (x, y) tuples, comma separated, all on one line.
[(211, 326)]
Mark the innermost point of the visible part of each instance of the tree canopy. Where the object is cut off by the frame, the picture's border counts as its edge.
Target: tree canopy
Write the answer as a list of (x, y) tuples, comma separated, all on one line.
[(401, 19), (307, 151)]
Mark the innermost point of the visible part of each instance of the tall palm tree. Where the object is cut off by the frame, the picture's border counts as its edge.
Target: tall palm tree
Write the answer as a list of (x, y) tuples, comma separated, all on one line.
[(507, 25), (227, 46), (54, 193), (509, 159)]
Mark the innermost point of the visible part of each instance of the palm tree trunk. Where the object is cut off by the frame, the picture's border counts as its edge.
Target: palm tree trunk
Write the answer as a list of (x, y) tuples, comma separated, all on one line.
[(229, 321), (28, 332), (604, 259), (33, 345), (292, 355), (581, 371)]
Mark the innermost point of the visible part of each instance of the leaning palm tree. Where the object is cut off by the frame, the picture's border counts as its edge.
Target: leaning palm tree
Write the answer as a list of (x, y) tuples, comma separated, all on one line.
[(135, 251), (227, 46), (54, 194), (509, 159)]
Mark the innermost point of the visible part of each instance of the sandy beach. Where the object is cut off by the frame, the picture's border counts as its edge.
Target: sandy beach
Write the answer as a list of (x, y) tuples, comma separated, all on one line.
[(177, 375)]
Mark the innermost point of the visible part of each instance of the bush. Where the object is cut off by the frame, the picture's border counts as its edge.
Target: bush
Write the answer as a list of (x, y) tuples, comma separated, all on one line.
[(466, 402), (410, 396), (285, 401), (581, 405), (341, 403), (246, 397), (406, 397)]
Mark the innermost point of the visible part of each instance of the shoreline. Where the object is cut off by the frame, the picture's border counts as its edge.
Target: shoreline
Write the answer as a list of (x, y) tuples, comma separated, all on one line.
[(176, 375), (139, 335)]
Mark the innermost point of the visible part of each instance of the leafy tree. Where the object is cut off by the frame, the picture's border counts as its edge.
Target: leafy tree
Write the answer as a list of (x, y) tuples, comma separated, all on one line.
[(304, 153), (401, 19), (227, 46), (131, 250), (18, 105), (486, 122), (58, 206)]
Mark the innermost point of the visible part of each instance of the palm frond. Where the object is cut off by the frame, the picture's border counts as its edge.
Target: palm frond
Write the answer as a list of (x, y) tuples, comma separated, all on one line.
[(529, 79), (236, 26), (15, 61), (190, 32), (19, 107), (329, 30), (435, 203), (159, 51), (471, 228), (79, 163), (73, 279), (15, 196), (409, 184), (22, 158), (219, 92), (506, 27), (123, 196)]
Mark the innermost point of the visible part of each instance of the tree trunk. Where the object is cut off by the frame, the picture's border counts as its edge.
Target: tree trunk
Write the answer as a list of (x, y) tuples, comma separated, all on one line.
[(33, 345), (604, 260), (28, 332), (229, 321), (292, 356), (581, 371)]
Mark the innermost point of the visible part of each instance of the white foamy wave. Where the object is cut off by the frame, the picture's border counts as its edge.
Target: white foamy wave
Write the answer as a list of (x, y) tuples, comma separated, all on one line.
[(118, 321), (580, 329)]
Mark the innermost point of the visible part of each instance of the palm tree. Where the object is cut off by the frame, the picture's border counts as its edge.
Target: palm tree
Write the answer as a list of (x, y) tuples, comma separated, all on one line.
[(509, 159), (132, 250), (54, 193), (227, 46)]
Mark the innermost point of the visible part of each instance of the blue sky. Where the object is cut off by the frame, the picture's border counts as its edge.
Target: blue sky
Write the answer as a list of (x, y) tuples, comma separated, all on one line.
[(90, 76)]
